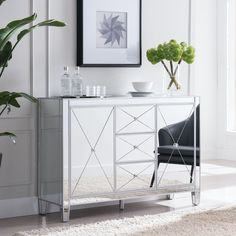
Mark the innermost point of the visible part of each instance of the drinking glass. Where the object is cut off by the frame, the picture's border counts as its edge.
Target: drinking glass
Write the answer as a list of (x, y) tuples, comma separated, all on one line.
[(90, 91), (103, 91)]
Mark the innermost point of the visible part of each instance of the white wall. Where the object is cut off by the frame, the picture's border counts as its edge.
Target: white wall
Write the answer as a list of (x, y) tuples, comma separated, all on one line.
[(161, 22), (29, 72), (226, 70), (204, 77)]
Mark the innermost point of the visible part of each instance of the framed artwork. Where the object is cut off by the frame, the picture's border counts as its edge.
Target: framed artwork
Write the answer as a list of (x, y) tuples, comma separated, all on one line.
[(109, 33)]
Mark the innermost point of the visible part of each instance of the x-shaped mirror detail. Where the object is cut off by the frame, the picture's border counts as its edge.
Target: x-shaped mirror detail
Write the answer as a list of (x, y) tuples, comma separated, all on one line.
[(93, 149), (175, 140), (135, 119), (135, 147), (134, 176)]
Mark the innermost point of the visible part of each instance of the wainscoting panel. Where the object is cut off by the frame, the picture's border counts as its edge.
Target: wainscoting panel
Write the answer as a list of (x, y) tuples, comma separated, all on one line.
[(17, 165), (17, 173)]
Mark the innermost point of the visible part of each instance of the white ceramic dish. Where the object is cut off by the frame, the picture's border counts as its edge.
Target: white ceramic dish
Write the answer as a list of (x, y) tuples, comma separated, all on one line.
[(143, 86), (141, 94)]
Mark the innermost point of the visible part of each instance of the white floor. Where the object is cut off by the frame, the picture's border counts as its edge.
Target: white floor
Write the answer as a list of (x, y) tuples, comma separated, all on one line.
[(218, 189)]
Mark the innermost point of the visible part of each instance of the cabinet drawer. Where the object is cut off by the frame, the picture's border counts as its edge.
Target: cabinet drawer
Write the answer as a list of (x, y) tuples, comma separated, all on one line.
[(132, 119), (134, 176)]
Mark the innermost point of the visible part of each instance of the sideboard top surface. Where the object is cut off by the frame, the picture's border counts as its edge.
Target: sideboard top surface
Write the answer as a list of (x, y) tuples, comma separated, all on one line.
[(125, 100)]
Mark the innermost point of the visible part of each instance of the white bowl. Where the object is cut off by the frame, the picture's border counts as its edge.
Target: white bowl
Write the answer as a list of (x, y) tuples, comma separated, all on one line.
[(143, 86)]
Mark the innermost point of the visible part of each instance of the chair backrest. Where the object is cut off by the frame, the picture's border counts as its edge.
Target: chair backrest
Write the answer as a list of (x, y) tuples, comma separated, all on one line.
[(182, 132), (187, 138)]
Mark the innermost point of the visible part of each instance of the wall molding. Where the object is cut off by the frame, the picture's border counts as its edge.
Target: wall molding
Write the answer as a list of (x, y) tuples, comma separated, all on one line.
[(209, 154), (48, 92), (190, 42), (226, 154), (32, 52)]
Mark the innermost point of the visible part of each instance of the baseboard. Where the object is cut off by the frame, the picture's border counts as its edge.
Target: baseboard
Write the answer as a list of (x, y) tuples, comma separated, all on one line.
[(208, 154), (226, 154), (18, 207)]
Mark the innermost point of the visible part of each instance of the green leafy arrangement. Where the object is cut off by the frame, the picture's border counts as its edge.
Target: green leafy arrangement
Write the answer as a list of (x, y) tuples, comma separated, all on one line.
[(1, 1), (174, 53), (8, 42)]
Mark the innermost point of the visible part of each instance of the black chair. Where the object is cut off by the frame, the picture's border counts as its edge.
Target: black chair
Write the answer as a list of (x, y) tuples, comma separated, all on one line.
[(178, 139)]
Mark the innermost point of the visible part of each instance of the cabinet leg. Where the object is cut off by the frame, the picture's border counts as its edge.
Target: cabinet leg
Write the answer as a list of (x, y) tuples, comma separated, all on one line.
[(170, 196), (122, 205), (43, 207), (196, 198), (65, 214)]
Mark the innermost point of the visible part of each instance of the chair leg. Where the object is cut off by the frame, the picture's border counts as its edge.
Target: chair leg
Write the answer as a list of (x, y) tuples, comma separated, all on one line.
[(153, 176), (191, 174)]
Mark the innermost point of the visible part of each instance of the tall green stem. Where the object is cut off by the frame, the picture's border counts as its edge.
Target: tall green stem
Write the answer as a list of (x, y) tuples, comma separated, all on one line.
[(177, 67), (163, 63), (174, 81), (171, 68)]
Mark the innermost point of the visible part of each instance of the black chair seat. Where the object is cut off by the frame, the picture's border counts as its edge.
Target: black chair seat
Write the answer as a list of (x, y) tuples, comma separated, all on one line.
[(184, 150), (188, 160)]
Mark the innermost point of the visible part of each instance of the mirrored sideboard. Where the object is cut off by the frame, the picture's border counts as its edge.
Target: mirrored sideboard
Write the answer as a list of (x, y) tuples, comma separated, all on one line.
[(99, 150)]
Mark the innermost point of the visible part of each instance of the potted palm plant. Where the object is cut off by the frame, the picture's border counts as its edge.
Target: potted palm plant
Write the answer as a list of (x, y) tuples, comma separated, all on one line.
[(10, 36)]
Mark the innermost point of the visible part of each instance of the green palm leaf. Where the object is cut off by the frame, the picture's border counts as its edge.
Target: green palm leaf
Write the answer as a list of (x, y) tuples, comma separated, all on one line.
[(1, 1), (10, 98), (7, 134), (5, 53), (6, 48), (7, 32)]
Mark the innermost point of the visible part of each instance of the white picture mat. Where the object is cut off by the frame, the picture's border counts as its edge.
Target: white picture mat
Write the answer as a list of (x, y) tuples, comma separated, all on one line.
[(129, 55)]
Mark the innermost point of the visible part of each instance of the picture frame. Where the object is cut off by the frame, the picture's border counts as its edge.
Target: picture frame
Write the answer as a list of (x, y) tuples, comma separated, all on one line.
[(109, 33)]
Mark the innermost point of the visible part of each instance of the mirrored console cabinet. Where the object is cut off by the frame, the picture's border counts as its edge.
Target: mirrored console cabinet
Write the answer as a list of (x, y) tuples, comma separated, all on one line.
[(94, 151)]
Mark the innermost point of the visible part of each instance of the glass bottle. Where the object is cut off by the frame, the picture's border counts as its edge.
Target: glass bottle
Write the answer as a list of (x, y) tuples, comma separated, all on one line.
[(77, 83), (66, 83)]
